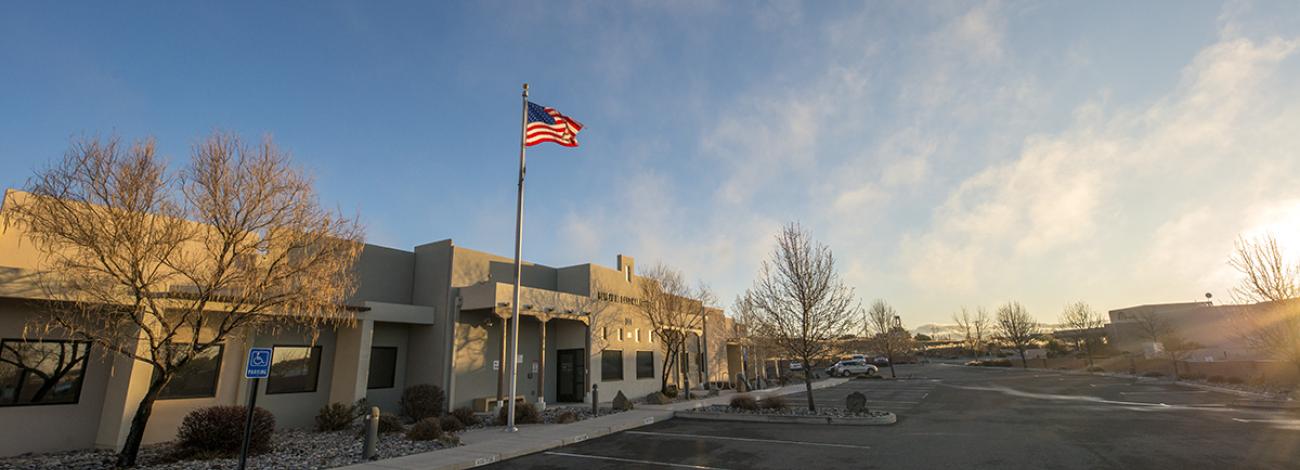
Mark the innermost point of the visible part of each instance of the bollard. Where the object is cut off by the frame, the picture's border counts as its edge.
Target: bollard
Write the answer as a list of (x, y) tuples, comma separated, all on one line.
[(595, 400), (372, 434), (687, 382)]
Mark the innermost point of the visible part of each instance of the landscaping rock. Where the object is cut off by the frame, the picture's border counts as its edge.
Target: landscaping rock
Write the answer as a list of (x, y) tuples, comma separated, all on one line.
[(657, 398), (621, 402), (856, 402), (741, 386)]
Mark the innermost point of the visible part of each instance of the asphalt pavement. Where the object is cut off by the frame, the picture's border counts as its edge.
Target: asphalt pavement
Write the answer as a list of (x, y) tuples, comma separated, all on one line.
[(968, 417)]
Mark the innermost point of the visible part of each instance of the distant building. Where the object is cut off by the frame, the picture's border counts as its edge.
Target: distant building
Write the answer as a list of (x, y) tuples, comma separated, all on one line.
[(1214, 327)]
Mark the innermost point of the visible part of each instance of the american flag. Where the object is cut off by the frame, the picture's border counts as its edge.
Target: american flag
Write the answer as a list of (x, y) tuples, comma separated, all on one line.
[(548, 125)]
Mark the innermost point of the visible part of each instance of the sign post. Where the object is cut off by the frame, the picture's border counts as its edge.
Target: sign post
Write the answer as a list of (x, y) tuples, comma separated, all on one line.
[(258, 367)]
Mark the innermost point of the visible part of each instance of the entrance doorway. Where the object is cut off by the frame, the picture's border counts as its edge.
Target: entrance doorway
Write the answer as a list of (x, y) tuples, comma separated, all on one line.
[(569, 375)]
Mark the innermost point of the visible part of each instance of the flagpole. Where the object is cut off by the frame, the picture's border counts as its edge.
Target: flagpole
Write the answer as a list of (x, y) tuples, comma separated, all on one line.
[(519, 235)]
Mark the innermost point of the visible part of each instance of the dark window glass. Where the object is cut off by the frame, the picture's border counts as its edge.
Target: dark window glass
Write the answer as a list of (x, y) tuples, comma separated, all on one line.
[(294, 369), (37, 372), (383, 367), (611, 365), (645, 364), (197, 378), (686, 363)]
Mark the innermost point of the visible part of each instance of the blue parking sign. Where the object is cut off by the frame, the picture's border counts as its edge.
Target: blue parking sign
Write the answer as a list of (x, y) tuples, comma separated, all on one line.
[(259, 363)]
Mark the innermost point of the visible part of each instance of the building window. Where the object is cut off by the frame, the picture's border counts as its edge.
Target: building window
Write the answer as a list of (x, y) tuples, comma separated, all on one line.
[(41, 372), (686, 362), (294, 369), (638, 335), (383, 367), (622, 335), (645, 364), (197, 378), (604, 333), (611, 365)]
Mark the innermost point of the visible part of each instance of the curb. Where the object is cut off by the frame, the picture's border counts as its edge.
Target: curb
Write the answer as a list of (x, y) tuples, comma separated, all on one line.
[(888, 419)]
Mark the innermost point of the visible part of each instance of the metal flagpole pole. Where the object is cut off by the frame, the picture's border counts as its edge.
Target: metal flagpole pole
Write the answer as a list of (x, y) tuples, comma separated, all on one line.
[(514, 304)]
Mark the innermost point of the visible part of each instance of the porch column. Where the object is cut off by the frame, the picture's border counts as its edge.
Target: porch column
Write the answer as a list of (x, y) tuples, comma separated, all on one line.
[(541, 365), (586, 363), (501, 371), (352, 362)]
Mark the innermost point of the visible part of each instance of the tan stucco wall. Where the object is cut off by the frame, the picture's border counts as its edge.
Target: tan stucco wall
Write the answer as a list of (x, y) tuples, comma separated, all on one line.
[(391, 335), (46, 428)]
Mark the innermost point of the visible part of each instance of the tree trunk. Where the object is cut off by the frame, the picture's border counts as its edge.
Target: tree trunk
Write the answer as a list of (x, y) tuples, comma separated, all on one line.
[(131, 448), (1174, 360), (807, 384), (892, 374), (1024, 363)]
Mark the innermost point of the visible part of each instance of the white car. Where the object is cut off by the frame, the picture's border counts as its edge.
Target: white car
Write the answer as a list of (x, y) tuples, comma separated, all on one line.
[(852, 367), (795, 365)]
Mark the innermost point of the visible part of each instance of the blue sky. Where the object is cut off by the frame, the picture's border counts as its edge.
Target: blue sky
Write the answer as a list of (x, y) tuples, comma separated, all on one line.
[(951, 154)]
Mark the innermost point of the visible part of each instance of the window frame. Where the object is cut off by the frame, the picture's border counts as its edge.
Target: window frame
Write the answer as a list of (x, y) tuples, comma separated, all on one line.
[(604, 371), (638, 365), (81, 380), (216, 377), (318, 352), (392, 381)]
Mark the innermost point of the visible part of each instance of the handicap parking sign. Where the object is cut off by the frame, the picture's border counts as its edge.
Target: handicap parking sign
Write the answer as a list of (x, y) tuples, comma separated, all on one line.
[(259, 363)]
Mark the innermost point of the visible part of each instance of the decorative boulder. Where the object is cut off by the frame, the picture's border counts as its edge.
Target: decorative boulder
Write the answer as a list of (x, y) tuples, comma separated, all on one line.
[(657, 398), (621, 402), (856, 403), (742, 386)]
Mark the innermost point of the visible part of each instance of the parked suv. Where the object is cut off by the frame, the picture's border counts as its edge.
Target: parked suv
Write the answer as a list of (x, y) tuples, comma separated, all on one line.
[(851, 367)]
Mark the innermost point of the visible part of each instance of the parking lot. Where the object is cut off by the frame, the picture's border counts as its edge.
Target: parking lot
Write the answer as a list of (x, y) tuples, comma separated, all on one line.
[(966, 417)]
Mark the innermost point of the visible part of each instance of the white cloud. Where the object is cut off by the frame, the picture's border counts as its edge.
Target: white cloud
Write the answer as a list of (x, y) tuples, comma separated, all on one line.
[(1183, 170)]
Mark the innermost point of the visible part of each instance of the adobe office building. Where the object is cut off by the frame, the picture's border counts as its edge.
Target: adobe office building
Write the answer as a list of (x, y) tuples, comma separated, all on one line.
[(436, 314)]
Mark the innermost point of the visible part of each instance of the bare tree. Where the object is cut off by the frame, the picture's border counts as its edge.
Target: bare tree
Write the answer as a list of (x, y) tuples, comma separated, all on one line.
[(160, 267), (963, 320), (1018, 328), (886, 331), (1081, 316), (982, 326), (1157, 329), (666, 304), (1272, 325), (799, 303)]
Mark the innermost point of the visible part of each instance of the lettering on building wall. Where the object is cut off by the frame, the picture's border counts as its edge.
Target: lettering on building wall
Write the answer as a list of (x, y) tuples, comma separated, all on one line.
[(622, 299)]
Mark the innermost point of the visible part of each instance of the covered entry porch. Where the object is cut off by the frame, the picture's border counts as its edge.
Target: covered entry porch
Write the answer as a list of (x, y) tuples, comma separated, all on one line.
[(554, 347)]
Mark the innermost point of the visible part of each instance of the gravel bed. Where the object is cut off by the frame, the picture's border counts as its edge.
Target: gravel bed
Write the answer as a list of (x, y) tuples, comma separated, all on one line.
[(832, 412), (292, 449)]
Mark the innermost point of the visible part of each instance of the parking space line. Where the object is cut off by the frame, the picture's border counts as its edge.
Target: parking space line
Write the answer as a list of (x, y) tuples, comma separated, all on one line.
[(643, 462), (744, 439)]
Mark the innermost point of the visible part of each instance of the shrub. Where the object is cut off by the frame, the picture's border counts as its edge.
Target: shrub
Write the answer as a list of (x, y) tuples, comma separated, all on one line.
[(1192, 376), (449, 423), (335, 417), (465, 415), (525, 413), (744, 402), (220, 429), (422, 401), (1216, 379), (671, 391), (1095, 369), (566, 417), (426, 429), (1154, 374), (775, 402), (1235, 380), (996, 363), (389, 423)]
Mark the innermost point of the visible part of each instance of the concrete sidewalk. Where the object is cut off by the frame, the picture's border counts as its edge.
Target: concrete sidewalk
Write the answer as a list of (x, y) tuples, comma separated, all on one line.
[(488, 445)]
